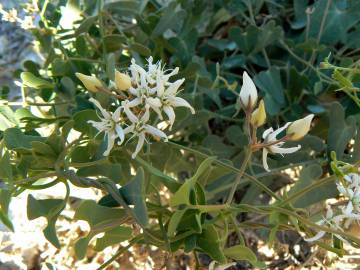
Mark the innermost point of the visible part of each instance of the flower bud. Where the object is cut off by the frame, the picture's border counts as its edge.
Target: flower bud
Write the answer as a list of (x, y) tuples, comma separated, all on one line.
[(258, 117), (299, 128), (248, 92), (122, 81), (91, 83)]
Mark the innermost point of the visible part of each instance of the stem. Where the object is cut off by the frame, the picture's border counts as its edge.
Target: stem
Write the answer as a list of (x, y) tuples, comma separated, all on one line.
[(42, 13), (229, 167), (120, 251), (29, 180), (237, 230), (239, 175), (300, 193)]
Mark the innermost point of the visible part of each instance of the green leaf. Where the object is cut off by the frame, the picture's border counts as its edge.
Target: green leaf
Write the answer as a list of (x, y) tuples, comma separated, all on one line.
[(6, 221), (167, 19), (341, 131), (100, 219), (16, 140), (308, 176), (7, 118), (85, 25), (5, 167), (112, 237), (174, 222), (240, 252), (110, 66), (209, 243), (341, 17), (270, 83), (134, 194), (31, 80), (114, 42), (182, 196), (255, 39), (81, 122), (107, 169), (168, 181), (140, 49), (50, 209)]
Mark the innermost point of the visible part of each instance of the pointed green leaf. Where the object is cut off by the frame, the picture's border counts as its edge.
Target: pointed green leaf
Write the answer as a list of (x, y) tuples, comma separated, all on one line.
[(31, 80), (240, 252)]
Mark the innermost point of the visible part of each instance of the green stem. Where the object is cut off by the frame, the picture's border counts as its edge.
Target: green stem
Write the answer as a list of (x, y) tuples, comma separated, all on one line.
[(305, 190), (243, 167), (229, 167), (121, 250), (237, 230)]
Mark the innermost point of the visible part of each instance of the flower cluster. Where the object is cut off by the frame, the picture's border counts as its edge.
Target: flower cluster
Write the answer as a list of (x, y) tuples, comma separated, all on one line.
[(12, 16), (349, 189), (140, 93), (271, 144)]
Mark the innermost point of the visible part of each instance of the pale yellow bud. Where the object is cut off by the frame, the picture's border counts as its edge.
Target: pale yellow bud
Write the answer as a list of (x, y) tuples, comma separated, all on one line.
[(122, 81), (299, 128), (91, 83), (258, 117)]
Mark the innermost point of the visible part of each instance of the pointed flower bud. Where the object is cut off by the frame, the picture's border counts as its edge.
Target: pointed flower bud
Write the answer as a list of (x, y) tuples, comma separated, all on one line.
[(122, 81), (248, 92), (90, 82), (258, 117), (299, 128)]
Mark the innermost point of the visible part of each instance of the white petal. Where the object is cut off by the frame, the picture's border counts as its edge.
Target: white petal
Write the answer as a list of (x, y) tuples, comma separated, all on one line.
[(170, 114), (116, 115), (267, 132), (316, 237), (180, 102), (132, 117), (349, 208), (139, 145), (129, 129), (156, 132), (133, 103), (174, 87), (160, 86), (264, 159), (110, 143), (248, 92), (272, 136), (153, 102), (101, 109), (146, 116), (120, 132), (280, 150)]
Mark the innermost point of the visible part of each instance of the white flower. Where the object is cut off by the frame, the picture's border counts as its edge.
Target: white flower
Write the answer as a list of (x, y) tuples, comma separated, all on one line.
[(350, 191), (248, 93), (299, 128), (110, 125), (153, 88), (169, 100), (213, 266), (140, 128), (275, 145)]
